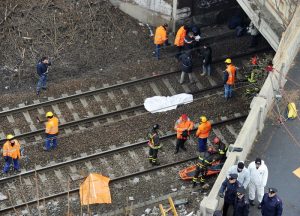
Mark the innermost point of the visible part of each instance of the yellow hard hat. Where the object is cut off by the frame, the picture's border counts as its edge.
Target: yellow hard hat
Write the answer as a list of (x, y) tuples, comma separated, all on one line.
[(49, 114), (203, 119), (10, 136), (228, 61)]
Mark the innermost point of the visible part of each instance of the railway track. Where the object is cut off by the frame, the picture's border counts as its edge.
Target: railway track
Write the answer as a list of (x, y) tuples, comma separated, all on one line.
[(120, 164), (95, 106)]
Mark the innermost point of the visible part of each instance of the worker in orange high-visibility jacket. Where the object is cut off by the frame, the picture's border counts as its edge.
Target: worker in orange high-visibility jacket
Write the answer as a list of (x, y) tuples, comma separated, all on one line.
[(179, 39), (229, 78), (183, 126), (202, 133), (11, 153), (51, 131), (160, 38)]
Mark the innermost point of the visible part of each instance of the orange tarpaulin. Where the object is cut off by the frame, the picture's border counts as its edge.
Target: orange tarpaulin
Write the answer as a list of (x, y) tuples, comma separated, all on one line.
[(95, 189)]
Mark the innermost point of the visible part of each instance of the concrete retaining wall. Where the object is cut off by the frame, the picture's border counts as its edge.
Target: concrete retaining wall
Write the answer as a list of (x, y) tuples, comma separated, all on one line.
[(153, 12), (282, 10), (287, 50)]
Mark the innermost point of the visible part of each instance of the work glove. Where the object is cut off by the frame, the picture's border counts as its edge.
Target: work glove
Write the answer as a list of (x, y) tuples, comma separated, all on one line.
[(221, 195)]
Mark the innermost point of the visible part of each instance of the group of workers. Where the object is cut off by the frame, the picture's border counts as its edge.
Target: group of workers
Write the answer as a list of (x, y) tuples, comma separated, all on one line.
[(183, 128), (187, 38), (12, 148), (238, 179)]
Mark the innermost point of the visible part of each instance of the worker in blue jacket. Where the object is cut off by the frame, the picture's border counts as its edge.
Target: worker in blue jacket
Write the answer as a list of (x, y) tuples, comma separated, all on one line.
[(271, 204), (42, 71), (229, 186), (241, 204)]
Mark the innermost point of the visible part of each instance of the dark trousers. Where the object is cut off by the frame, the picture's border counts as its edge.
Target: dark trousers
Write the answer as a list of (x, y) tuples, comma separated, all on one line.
[(199, 171), (180, 144), (51, 141), (153, 154), (226, 210), (202, 142), (179, 51), (254, 40), (8, 162)]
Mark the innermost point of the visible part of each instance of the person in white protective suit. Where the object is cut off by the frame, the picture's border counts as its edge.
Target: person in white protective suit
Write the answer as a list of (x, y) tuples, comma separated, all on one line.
[(242, 172), (258, 180)]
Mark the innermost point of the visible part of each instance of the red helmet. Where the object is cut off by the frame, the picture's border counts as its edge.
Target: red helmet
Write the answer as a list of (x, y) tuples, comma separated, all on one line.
[(216, 140), (184, 117)]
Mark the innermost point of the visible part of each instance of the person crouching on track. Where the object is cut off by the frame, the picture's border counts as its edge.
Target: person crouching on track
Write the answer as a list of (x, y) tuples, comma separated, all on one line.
[(221, 149), (51, 131), (201, 169), (11, 153), (183, 126), (202, 133), (154, 144)]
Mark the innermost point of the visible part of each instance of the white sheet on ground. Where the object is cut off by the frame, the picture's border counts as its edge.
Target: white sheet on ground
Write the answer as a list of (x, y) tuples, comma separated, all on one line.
[(163, 104)]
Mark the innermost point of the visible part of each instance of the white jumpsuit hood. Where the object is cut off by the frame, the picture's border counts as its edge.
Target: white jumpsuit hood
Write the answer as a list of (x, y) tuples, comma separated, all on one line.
[(258, 176)]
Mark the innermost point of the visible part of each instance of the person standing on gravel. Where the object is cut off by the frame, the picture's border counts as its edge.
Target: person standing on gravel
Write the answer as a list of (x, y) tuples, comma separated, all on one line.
[(160, 38), (189, 42), (202, 133), (252, 30), (229, 78), (51, 131), (207, 59), (11, 153), (179, 39), (186, 67), (42, 71), (183, 126), (154, 144)]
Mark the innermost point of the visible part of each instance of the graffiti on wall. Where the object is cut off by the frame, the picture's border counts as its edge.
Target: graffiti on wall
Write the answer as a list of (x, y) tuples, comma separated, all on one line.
[(209, 3)]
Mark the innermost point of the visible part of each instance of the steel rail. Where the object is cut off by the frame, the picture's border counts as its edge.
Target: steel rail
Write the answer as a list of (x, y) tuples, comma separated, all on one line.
[(115, 86), (108, 152), (112, 180), (106, 115)]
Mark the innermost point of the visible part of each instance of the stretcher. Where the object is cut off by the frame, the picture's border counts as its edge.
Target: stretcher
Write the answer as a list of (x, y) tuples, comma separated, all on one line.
[(189, 172)]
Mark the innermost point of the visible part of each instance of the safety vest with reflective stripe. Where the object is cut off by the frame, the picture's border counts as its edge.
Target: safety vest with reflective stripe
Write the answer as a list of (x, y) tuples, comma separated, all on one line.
[(222, 149), (154, 141), (11, 151), (179, 40), (181, 126), (160, 35), (52, 126), (231, 74), (203, 130), (203, 162)]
